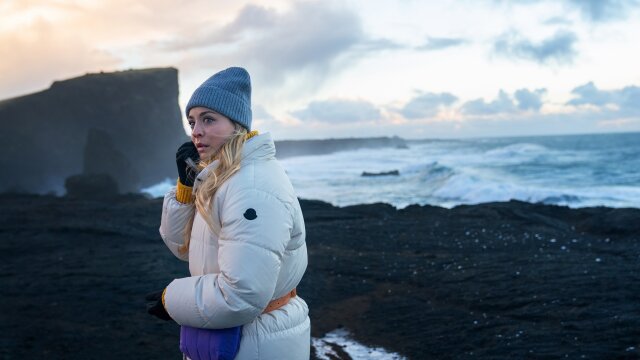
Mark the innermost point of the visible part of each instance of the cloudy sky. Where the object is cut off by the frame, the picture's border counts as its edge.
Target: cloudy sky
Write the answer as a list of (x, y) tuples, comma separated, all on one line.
[(416, 69)]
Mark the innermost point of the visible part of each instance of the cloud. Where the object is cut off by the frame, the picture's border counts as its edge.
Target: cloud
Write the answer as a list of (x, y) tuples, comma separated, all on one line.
[(557, 20), (509, 114), (290, 49), (309, 39), (43, 41), (435, 43), (593, 10), (427, 105), (251, 18), (522, 100), (265, 121), (34, 56), (589, 94), (621, 124), (307, 35), (629, 99), (369, 45), (604, 10), (338, 111), (503, 104), (558, 48), (259, 112), (137, 23), (529, 100), (626, 99)]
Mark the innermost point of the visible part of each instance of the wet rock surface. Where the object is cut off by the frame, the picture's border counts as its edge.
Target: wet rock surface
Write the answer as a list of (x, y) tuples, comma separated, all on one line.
[(91, 186), (496, 280)]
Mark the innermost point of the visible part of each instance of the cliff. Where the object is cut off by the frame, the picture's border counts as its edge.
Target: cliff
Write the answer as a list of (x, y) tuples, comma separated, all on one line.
[(61, 131)]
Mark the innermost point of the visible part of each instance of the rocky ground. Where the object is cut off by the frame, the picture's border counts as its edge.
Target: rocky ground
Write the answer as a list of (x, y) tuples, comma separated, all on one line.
[(497, 280)]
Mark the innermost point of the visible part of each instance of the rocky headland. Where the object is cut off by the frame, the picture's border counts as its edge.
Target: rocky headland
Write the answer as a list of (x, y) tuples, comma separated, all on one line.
[(125, 124)]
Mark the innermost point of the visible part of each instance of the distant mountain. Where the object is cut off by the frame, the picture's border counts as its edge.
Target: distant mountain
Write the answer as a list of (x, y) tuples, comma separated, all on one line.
[(126, 124), (289, 148)]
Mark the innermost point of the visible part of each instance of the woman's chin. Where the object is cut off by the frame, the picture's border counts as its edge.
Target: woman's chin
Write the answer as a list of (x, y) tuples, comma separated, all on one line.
[(205, 153)]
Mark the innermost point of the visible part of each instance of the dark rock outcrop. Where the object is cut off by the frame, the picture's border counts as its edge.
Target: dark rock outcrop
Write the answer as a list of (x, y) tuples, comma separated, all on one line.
[(50, 135), (91, 186), (382, 173)]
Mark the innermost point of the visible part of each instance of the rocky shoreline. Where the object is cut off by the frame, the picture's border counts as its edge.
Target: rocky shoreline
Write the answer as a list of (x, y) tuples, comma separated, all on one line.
[(495, 280)]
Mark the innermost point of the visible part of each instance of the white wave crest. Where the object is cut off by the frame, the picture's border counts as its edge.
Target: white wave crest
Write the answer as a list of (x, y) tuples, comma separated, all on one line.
[(341, 338)]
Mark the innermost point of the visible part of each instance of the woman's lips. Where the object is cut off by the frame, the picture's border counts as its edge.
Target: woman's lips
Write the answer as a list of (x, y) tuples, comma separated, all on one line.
[(201, 147)]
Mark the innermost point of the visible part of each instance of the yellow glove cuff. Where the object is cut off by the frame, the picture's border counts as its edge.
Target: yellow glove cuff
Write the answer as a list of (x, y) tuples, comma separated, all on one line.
[(183, 193)]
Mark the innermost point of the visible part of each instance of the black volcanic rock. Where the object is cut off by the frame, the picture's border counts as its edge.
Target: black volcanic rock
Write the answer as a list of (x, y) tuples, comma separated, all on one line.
[(502, 280), (91, 186), (607, 221), (382, 173), (135, 112)]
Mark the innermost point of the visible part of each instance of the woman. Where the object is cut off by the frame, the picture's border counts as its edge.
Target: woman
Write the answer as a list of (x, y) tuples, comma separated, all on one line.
[(239, 225)]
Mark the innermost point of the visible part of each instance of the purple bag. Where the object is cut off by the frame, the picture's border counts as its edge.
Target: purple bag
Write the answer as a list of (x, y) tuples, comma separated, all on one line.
[(210, 344)]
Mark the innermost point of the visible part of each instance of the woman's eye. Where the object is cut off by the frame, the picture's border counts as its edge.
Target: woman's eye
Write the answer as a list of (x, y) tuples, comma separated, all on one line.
[(208, 120), (191, 124)]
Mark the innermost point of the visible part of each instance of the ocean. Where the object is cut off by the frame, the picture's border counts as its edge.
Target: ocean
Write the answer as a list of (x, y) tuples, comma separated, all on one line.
[(572, 170)]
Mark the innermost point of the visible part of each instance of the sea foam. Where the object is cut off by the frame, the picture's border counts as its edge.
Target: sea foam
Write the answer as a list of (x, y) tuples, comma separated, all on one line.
[(574, 171)]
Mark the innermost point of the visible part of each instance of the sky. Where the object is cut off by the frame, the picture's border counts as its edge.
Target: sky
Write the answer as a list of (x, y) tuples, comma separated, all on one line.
[(357, 68)]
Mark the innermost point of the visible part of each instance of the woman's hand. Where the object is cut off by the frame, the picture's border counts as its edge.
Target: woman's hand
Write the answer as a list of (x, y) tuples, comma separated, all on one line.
[(186, 173), (156, 308)]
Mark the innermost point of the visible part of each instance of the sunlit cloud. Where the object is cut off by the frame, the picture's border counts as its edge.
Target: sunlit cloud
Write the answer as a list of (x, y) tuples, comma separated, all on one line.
[(34, 57), (619, 124)]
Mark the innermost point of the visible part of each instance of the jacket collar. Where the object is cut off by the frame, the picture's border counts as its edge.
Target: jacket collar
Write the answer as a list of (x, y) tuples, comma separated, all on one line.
[(259, 147)]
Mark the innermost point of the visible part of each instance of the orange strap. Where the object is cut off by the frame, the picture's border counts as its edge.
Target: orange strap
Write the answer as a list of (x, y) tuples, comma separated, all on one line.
[(280, 302)]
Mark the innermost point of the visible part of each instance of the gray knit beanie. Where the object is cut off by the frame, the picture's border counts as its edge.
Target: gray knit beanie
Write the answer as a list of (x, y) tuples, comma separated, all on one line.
[(227, 92)]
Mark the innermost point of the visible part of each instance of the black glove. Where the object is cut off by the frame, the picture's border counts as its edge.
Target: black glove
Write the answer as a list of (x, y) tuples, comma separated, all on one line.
[(156, 308), (186, 173)]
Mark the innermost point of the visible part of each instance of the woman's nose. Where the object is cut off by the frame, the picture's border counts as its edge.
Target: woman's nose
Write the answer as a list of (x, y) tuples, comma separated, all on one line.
[(197, 129)]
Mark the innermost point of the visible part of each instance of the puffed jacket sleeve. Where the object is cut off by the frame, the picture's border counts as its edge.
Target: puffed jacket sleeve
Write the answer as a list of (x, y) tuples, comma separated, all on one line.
[(255, 229), (175, 216)]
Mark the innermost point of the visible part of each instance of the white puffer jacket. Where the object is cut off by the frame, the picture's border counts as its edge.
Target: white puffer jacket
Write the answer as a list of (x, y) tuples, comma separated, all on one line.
[(256, 253)]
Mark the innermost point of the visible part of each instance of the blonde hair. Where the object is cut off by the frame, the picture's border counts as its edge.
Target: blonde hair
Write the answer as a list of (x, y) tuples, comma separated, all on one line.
[(229, 155)]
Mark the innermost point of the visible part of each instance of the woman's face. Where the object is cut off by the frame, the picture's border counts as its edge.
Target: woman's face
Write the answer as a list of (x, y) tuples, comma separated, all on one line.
[(209, 130)]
